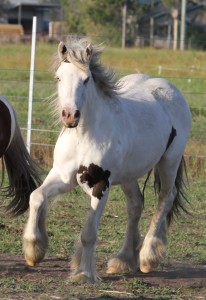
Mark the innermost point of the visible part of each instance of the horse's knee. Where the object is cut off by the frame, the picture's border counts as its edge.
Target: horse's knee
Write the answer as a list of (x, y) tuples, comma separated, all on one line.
[(88, 236), (134, 213), (36, 199)]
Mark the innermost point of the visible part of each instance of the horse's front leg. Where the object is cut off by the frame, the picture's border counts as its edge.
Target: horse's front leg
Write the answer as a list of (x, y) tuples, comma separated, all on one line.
[(126, 259), (83, 264), (35, 239)]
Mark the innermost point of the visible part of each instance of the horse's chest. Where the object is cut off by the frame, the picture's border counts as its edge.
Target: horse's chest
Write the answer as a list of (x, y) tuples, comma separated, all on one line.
[(93, 179)]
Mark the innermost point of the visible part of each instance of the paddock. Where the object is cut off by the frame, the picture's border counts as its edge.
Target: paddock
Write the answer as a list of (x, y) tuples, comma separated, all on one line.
[(48, 279)]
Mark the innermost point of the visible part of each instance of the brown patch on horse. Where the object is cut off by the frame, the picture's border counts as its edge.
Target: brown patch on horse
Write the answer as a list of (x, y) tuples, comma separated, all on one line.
[(5, 128), (96, 178)]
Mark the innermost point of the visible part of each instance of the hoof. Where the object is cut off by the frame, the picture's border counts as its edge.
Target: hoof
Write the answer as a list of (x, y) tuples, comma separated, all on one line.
[(83, 278), (34, 251), (30, 262), (116, 265), (151, 254), (112, 270), (147, 268)]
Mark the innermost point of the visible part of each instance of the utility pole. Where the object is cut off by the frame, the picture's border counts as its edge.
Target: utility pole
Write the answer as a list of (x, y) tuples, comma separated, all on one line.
[(124, 20), (183, 24), (174, 13), (151, 24), (19, 14)]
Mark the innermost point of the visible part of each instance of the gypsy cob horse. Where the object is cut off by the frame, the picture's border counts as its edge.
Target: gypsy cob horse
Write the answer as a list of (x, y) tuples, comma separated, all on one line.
[(114, 132)]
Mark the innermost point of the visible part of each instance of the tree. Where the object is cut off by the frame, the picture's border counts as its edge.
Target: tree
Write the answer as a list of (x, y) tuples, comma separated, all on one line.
[(107, 16), (98, 18), (74, 14), (3, 16), (105, 19)]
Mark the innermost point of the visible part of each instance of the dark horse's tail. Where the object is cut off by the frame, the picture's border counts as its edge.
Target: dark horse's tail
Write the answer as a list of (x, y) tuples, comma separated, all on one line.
[(22, 174)]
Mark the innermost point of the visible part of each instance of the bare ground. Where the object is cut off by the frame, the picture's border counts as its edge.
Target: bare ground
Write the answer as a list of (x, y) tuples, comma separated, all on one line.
[(48, 280)]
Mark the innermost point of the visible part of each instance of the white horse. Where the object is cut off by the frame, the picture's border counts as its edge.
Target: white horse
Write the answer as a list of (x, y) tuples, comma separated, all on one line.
[(114, 133)]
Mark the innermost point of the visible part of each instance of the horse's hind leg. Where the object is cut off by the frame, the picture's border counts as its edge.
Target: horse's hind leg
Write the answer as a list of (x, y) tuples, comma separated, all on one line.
[(126, 259), (153, 248), (35, 238)]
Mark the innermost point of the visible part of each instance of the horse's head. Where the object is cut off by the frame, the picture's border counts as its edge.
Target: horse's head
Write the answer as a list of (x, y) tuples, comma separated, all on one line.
[(73, 76)]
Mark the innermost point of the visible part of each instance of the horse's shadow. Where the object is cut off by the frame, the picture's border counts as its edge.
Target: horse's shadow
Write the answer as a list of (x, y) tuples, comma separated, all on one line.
[(11, 264), (178, 272), (17, 265)]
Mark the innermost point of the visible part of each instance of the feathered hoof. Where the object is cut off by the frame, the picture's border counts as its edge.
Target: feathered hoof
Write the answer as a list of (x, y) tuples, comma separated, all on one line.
[(33, 261), (84, 278), (112, 270), (30, 262), (34, 251), (147, 268), (116, 265), (151, 254)]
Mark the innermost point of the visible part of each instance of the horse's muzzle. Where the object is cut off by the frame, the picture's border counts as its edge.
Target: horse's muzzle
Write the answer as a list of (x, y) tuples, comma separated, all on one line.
[(70, 118)]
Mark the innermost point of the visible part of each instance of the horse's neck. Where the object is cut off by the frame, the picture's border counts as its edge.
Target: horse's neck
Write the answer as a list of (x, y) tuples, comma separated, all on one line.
[(94, 110)]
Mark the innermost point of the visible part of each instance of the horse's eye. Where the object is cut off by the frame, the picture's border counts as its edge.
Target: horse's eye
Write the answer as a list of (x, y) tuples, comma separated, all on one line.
[(57, 78), (86, 80)]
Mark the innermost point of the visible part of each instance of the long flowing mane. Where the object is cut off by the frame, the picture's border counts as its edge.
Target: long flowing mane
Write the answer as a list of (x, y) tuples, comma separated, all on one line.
[(104, 78)]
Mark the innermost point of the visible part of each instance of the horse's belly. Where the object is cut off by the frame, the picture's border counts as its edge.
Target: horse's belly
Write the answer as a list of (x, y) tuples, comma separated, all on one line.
[(138, 163), (134, 172)]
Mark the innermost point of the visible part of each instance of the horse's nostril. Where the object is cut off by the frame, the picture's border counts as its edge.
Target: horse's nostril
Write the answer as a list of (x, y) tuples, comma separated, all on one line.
[(77, 114), (65, 114)]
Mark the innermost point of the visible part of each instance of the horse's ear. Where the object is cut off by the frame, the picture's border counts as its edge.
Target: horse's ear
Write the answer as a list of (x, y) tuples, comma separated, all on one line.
[(89, 50), (62, 51)]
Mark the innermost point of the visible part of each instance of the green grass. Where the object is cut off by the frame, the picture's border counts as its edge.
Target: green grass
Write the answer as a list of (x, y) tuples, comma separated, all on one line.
[(65, 222), (186, 243)]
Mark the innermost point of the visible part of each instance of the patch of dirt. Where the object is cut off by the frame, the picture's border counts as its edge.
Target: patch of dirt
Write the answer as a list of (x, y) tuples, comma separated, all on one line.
[(178, 274), (175, 276)]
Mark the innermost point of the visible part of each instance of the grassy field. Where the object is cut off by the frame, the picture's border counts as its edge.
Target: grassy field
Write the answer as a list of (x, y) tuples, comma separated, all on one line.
[(187, 235), (186, 247)]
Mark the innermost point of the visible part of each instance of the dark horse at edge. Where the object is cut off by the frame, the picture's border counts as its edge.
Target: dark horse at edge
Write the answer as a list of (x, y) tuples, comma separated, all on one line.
[(22, 171)]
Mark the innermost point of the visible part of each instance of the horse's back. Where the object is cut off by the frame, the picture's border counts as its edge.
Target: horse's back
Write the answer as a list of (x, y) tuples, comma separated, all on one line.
[(162, 91), (131, 82)]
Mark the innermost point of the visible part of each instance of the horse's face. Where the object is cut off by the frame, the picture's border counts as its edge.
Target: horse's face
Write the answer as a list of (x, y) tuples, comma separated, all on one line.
[(72, 84)]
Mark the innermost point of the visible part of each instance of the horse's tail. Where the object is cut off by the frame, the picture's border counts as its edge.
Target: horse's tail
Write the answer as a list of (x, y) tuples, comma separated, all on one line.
[(180, 185), (22, 174)]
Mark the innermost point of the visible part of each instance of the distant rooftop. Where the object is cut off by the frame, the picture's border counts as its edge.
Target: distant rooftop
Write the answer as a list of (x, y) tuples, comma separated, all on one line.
[(11, 4), (17, 2)]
